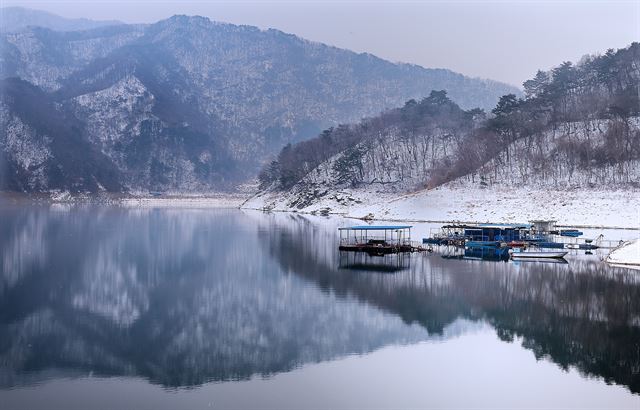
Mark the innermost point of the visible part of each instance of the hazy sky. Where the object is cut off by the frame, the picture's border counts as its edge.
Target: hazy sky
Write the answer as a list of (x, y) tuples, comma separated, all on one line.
[(502, 40)]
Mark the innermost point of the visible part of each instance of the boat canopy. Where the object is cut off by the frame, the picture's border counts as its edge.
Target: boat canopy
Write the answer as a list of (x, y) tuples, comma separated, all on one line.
[(375, 228), (487, 226)]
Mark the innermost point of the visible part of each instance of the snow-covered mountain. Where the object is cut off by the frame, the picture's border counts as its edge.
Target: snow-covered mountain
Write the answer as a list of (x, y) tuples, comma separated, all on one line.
[(561, 152), (188, 104)]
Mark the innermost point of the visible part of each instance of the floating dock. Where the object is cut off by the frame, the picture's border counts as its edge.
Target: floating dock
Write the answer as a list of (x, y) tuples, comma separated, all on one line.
[(537, 233), (376, 240)]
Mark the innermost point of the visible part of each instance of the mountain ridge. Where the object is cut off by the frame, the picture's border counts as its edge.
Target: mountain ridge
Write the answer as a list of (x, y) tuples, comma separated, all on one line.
[(17, 18), (576, 130), (225, 97)]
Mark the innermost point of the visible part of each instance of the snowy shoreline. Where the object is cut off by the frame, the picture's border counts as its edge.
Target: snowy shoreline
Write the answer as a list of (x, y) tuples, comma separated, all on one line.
[(210, 200), (577, 208), (221, 201), (427, 221)]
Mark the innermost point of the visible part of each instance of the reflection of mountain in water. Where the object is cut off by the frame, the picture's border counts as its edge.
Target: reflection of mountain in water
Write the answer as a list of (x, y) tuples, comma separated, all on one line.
[(583, 314), (177, 296), (185, 296)]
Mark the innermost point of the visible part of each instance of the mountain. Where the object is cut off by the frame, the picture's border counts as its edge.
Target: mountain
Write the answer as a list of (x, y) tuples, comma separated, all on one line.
[(19, 18), (577, 128), (188, 104)]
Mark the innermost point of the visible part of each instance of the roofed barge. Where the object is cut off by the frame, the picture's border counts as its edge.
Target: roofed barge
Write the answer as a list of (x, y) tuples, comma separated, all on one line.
[(376, 240)]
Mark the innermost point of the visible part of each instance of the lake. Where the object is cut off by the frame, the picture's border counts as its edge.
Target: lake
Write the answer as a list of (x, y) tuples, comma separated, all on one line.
[(110, 307)]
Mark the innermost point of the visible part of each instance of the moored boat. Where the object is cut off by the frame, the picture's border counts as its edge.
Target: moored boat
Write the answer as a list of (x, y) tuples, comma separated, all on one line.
[(553, 255)]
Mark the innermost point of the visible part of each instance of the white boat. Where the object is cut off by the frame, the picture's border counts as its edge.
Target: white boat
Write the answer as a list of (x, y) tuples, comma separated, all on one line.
[(551, 254)]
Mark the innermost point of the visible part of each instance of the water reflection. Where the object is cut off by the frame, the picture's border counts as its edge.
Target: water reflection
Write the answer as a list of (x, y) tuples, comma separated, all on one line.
[(583, 314), (182, 297), (361, 261)]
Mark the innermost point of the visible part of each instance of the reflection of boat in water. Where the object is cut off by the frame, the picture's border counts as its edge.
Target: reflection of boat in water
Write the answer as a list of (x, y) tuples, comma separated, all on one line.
[(537, 255), (486, 253), (364, 261), (489, 253)]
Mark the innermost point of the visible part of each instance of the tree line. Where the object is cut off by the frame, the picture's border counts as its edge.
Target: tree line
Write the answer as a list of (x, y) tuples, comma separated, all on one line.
[(440, 142)]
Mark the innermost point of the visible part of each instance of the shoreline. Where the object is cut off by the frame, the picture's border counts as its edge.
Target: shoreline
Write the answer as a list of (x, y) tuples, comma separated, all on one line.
[(237, 201), (577, 208), (209, 200), (347, 216)]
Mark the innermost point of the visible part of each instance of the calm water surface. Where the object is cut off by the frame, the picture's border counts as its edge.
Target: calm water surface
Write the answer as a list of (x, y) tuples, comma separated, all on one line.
[(105, 307)]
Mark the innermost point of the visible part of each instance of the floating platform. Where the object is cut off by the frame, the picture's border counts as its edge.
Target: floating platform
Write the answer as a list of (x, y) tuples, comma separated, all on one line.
[(376, 249), (376, 240)]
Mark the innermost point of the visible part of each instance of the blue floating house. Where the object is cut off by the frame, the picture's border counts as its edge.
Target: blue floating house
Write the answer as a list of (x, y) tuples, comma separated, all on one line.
[(493, 234)]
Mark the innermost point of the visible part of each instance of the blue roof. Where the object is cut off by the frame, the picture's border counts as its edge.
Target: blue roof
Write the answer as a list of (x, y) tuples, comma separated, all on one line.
[(499, 226), (375, 227)]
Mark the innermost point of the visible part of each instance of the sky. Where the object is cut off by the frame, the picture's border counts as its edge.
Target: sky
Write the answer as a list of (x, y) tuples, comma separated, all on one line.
[(502, 40)]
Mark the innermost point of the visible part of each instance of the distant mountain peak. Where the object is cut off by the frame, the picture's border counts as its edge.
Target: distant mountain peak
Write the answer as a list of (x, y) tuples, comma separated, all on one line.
[(202, 89), (19, 18), (190, 19)]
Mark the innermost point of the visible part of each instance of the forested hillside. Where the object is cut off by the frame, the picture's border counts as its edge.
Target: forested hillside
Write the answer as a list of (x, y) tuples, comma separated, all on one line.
[(187, 104), (579, 118), (577, 125)]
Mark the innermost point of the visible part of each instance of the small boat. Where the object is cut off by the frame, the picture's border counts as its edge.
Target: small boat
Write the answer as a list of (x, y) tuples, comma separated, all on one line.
[(554, 255), (561, 261)]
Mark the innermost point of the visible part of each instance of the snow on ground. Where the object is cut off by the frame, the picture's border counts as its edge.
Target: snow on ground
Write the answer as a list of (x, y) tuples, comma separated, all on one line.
[(579, 207), (626, 254), (509, 188), (314, 200), (586, 207)]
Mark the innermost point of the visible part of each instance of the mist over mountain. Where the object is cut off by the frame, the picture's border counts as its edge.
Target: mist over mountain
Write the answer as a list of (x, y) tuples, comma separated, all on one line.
[(186, 104), (19, 18)]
